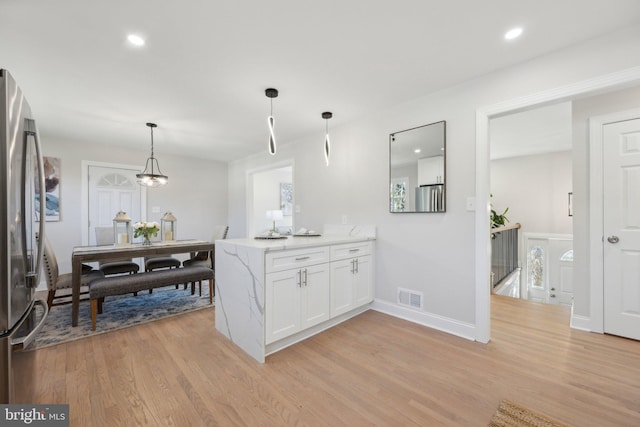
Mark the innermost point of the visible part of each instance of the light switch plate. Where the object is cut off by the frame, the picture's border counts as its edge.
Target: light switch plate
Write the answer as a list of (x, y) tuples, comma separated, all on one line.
[(155, 209), (471, 204)]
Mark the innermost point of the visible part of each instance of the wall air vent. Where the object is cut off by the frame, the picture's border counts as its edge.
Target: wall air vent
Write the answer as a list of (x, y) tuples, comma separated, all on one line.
[(409, 298)]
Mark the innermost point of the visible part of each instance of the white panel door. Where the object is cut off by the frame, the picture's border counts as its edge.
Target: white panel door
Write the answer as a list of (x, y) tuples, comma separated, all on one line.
[(621, 225), (561, 271), (112, 189)]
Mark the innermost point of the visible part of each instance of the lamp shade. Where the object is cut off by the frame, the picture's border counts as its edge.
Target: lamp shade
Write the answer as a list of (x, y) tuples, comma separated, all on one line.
[(275, 215)]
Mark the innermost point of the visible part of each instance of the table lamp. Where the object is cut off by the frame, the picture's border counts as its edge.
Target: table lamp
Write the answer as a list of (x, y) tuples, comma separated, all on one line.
[(274, 215)]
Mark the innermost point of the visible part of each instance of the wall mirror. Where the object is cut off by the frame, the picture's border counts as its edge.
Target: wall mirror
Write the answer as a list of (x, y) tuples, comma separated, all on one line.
[(417, 169)]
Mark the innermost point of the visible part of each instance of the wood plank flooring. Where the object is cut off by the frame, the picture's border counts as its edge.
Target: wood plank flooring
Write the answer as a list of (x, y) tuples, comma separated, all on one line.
[(371, 370)]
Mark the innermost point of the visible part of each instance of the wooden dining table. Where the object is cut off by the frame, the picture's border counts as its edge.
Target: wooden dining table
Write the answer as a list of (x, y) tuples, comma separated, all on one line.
[(86, 254)]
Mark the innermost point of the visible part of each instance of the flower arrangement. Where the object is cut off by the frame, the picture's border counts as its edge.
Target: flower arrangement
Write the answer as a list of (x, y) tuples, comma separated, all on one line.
[(146, 230)]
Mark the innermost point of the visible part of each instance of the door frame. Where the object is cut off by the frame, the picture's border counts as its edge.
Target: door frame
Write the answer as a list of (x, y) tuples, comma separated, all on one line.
[(84, 192), (596, 210), (249, 189), (600, 84)]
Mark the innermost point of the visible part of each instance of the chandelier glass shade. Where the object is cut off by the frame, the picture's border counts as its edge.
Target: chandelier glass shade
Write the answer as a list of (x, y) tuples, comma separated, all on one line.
[(152, 176)]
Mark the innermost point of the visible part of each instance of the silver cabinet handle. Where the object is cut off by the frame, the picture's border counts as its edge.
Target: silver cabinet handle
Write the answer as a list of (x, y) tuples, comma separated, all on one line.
[(305, 277), (299, 282), (613, 239), (354, 250), (302, 258), (552, 295), (357, 265), (353, 266)]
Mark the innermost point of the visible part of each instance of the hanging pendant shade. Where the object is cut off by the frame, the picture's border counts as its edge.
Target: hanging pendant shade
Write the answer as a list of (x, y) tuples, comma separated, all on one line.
[(152, 176), (271, 93)]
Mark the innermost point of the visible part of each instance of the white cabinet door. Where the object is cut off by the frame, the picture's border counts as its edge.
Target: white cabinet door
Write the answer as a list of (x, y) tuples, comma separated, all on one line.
[(341, 286), (351, 284), (363, 283), (296, 300), (314, 295), (282, 304), (431, 170)]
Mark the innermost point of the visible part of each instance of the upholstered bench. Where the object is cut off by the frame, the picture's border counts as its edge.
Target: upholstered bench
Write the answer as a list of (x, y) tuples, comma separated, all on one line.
[(119, 285)]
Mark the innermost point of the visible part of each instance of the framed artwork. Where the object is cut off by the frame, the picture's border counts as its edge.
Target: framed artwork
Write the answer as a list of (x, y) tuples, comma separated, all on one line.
[(286, 198), (52, 189)]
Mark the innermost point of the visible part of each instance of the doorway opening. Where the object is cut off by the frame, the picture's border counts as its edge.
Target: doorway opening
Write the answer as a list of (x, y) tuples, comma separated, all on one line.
[(271, 190), (601, 84), (531, 167)]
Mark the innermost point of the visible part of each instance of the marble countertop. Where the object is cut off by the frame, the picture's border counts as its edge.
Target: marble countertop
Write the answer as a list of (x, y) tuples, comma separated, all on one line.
[(295, 242)]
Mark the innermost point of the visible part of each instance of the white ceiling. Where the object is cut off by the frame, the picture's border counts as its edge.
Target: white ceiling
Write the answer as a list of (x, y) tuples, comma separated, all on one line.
[(202, 74), (541, 130)]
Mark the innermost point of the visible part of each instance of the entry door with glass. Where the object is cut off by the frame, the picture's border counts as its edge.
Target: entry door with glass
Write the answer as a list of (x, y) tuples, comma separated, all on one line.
[(112, 189)]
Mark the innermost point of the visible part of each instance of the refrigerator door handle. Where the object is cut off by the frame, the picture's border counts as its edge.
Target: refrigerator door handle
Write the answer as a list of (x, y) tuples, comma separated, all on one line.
[(32, 275), (24, 342)]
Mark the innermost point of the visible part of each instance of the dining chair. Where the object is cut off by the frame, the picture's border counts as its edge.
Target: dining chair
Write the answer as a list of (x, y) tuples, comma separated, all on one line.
[(104, 236), (59, 285), (206, 258)]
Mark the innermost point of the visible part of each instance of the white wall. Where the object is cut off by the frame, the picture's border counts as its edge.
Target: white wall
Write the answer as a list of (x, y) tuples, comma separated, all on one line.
[(535, 189), (196, 192), (432, 253)]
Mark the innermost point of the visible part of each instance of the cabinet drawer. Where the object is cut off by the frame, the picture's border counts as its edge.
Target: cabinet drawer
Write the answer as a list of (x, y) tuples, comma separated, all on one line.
[(285, 260), (351, 250)]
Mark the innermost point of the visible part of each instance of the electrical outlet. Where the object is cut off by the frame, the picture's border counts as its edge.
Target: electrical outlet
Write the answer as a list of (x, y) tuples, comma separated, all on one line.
[(155, 209)]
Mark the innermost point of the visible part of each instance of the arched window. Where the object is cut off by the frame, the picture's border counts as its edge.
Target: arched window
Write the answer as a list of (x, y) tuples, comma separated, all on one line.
[(567, 256), (115, 180)]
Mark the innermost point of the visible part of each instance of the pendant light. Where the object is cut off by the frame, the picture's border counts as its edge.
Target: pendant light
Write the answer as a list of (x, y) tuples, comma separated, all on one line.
[(151, 176), (327, 143), (271, 93)]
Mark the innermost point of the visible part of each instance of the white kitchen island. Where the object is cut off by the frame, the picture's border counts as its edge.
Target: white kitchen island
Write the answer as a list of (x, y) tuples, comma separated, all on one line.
[(271, 294)]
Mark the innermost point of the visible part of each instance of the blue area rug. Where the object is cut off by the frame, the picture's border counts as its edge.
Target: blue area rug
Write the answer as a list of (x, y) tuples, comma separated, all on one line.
[(120, 312)]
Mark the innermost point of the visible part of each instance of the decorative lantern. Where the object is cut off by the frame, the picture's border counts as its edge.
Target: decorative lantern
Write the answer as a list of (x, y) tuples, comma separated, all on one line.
[(168, 225), (121, 229)]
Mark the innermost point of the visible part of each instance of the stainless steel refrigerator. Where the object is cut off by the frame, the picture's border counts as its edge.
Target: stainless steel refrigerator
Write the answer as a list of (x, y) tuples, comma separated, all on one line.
[(21, 189), (430, 198)]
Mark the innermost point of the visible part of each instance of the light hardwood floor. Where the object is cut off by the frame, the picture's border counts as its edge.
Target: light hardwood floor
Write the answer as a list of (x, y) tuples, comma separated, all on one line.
[(371, 370)]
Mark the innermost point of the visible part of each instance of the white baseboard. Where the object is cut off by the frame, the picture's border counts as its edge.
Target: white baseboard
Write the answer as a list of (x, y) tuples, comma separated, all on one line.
[(454, 327), (582, 323)]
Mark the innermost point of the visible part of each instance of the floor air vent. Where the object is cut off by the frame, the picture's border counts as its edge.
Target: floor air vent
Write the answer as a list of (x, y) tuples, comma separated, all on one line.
[(410, 298)]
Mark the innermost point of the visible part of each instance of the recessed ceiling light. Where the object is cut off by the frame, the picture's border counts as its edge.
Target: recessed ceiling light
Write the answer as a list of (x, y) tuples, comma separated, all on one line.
[(135, 40), (513, 33), (417, 150)]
